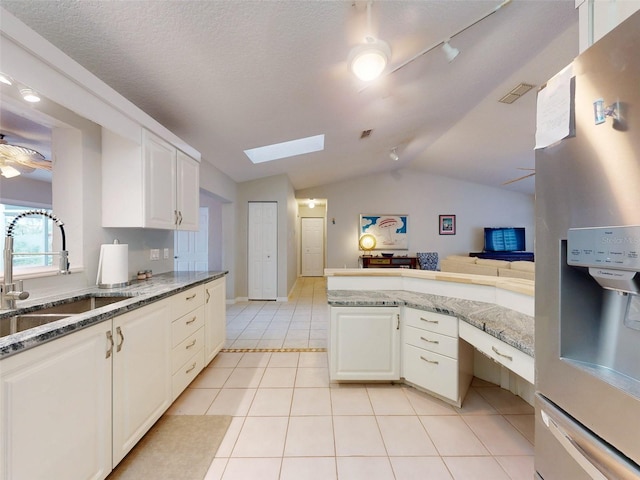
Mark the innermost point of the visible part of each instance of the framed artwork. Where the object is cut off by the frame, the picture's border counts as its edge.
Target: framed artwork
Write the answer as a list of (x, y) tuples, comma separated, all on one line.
[(391, 231), (447, 224)]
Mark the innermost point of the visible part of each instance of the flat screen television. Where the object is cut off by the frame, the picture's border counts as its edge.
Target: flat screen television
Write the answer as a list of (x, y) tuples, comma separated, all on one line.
[(504, 239)]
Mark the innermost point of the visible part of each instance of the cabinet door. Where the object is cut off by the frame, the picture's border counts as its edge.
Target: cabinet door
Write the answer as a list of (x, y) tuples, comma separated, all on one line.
[(364, 343), (187, 192), (55, 409), (215, 326), (141, 373), (159, 174)]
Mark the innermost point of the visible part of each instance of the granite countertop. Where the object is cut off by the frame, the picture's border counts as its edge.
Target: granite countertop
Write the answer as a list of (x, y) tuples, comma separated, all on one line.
[(509, 326), (136, 295)]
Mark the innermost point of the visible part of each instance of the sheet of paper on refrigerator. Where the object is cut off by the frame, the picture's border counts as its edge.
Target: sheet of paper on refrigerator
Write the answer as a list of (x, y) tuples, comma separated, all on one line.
[(553, 112)]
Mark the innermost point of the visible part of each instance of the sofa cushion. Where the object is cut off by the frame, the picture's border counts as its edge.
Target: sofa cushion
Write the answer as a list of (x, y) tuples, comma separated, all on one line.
[(493, 263), (460, 258), (523, 266)]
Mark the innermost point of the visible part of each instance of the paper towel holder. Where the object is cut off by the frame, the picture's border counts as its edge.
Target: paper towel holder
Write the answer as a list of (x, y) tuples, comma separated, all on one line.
[(100, 270)]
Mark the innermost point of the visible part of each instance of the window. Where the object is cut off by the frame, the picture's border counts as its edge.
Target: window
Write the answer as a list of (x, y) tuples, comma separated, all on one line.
[(32, 234)]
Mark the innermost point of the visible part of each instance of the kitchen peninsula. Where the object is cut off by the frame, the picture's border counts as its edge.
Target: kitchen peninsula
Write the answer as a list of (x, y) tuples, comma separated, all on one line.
[(393, 324)]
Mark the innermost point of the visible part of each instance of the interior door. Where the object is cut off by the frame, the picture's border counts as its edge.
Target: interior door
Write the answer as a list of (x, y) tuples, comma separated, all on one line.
[(191, 249), (262, 257), (312, 239)]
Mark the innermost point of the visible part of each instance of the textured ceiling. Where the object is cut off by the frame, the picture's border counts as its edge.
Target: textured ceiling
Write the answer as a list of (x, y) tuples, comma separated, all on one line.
[(231, 75)]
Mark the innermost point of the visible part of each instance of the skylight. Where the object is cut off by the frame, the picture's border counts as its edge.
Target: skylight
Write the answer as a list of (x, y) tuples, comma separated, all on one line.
[(286, 149)]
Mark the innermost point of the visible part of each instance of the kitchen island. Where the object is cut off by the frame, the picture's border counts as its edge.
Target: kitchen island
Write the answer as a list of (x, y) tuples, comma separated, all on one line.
[(432, 319)]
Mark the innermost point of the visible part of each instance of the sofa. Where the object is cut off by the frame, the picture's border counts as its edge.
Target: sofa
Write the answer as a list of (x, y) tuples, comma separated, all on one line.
[(482, 266)]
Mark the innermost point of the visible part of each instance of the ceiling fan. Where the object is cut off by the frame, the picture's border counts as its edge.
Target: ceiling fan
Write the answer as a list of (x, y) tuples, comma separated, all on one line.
[(15, 160), (532, 170)]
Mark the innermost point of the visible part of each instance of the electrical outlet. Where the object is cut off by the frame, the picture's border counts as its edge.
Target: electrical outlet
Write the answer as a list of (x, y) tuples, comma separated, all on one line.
[(166, 254), (154, 254)]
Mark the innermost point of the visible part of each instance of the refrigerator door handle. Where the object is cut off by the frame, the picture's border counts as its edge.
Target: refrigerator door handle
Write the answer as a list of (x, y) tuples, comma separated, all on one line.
[(595, 457)]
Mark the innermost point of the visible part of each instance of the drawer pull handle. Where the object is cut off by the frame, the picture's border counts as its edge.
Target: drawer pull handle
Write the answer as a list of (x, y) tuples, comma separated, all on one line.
[(110, 339), (191, 344), (429, 361), (430, 341), (191, 297), (508, 357), (429, 320), (189, 322), (191, 367)]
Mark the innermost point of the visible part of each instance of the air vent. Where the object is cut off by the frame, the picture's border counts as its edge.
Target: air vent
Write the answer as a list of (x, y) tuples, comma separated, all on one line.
[(365, 133), (516, 93)]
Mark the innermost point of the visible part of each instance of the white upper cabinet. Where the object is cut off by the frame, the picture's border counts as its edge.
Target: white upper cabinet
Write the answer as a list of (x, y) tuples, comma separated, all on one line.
[(187, 192), (152, 185)]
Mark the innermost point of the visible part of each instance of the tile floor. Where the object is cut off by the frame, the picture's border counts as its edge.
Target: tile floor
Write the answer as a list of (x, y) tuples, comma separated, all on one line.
[(290, 422)]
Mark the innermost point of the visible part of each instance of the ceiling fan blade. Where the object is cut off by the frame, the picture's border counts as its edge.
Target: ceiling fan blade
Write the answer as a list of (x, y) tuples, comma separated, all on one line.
[(519, 178)]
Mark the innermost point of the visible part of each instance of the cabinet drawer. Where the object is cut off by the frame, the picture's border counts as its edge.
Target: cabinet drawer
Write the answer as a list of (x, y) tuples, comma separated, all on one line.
[(433, 342), (186, 301), (518, 362), (434, 322), (181, 354), (186, 325), (436, 373), (186, 373)]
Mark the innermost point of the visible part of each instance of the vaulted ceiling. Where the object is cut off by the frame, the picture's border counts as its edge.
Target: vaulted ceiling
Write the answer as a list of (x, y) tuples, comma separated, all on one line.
[(227, 76)]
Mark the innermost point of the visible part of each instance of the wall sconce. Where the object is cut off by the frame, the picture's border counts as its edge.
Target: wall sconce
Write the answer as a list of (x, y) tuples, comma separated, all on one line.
[(312, 203), (367, 242)]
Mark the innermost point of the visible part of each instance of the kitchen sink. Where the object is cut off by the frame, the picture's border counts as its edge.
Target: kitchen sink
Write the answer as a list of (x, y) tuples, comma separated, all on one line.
[(24, 321), (19, 323), (82, 305)]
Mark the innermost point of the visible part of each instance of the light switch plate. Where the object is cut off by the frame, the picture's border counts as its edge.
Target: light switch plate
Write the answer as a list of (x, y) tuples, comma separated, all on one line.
[(166, 254), (154, 254)]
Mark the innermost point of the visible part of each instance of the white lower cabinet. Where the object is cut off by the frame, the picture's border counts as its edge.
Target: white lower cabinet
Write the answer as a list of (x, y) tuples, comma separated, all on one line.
[(141, 374), (74, 407), (215, 319), (364, 343), (387, 343), (433, 358), (55, 409)]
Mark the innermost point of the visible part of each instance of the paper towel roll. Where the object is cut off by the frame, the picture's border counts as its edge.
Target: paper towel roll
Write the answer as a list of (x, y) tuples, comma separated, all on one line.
[(113, 266)]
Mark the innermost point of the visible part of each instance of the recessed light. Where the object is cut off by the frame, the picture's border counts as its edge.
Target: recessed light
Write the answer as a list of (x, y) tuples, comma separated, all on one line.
[(286, 149), (29, 95), (6, 79)]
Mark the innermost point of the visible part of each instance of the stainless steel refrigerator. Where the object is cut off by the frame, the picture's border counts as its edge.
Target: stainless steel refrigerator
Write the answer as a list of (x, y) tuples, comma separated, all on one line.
[(587, 341)]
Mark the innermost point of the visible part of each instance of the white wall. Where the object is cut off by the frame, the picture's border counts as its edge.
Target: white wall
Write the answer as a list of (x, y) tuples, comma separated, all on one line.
[(423, 197), (25, 191)]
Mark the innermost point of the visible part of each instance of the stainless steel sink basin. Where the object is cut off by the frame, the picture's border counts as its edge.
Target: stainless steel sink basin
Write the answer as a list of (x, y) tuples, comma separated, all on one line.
[(82, 305), (42, 316), (19, 323)]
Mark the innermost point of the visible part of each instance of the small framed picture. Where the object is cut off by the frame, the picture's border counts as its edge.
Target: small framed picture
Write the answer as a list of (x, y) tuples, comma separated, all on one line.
[(447, 224)]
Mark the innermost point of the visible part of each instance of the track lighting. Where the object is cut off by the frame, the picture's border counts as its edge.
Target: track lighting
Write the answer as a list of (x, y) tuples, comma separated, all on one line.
[(450, 52), (29, 95), (393, 155)]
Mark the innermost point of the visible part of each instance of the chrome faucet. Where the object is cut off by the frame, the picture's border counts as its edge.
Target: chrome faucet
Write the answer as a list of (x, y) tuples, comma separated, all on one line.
[(11, 291)]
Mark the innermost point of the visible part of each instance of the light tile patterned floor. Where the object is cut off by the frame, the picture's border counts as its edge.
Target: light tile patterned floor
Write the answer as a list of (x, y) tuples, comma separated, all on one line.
[(290, 423)]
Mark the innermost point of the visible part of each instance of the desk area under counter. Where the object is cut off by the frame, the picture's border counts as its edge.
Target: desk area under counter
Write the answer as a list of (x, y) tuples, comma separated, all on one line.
[(494, 316)]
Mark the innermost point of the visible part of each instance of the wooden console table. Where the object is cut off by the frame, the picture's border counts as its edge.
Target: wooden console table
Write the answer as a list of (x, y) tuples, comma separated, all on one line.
[(389, 262)]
